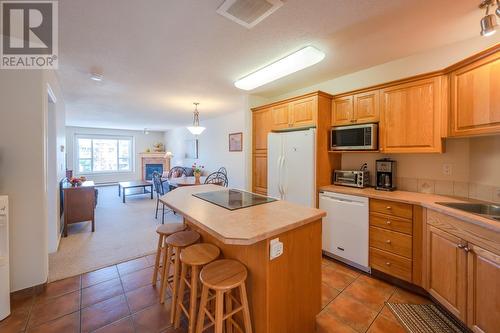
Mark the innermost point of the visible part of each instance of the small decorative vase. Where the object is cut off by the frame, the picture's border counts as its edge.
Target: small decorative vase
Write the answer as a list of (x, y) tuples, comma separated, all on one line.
[(197, 176)]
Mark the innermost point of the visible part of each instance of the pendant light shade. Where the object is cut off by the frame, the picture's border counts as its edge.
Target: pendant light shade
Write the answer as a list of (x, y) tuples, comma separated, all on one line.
[(488, 22), (196, 129)]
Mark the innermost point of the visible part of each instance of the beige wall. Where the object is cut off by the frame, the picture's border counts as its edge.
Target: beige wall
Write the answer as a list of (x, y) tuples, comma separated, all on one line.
[(22, 173)]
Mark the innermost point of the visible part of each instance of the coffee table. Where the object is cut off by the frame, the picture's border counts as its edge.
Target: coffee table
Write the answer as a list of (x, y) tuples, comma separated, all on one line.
[(123, 186)]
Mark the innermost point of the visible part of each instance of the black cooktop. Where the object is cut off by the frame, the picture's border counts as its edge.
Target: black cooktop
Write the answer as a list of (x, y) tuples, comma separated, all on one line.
[(233, 199)]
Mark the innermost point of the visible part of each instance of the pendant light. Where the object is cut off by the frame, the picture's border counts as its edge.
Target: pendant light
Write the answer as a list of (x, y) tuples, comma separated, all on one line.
[(196, 129), (488, 22)]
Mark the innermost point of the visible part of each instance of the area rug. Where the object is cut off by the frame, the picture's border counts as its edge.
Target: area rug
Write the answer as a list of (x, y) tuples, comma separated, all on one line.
[(123, 232), (425, 318)]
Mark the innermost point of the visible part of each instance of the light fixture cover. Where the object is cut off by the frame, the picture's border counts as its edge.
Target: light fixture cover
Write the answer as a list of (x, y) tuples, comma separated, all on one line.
[(488, 24), (196, 130), (292, 63)]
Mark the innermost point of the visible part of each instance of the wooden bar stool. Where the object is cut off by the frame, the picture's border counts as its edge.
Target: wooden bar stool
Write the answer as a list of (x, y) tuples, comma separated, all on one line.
[(192, 258), (175, 243), (223, 276), (163, 232)]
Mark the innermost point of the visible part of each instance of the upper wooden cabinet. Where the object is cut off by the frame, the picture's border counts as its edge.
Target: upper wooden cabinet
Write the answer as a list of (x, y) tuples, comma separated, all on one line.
[(356, 109), (475, 98), (295, 114), (261, 126), (411, 117)]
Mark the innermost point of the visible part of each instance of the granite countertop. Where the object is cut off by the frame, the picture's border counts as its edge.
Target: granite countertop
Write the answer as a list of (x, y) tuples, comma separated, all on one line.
[(242, 226), (423, 199)]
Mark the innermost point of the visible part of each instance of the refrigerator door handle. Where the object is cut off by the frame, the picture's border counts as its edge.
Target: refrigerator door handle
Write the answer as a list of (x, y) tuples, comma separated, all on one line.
[(281, 181), (278, 167)]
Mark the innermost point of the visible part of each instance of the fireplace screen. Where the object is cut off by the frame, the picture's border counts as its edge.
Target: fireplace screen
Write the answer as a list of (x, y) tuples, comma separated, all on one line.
[(150, 168)]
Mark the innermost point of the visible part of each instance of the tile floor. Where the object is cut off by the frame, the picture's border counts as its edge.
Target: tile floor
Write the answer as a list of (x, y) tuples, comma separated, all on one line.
[(120, 298)]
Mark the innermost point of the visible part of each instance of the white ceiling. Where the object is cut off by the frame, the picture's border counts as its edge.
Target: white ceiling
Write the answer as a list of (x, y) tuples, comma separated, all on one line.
[(159, 56)]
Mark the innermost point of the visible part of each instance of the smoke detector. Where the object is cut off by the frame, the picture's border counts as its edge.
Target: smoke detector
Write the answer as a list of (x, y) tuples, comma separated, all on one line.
[(248, 13)]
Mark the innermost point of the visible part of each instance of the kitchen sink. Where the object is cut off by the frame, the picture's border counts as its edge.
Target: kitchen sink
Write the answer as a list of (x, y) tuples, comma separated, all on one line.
[(485, 210)]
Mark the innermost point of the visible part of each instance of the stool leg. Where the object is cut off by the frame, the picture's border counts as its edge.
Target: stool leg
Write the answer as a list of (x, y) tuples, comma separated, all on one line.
[(175, 292), (194, 297), (157, 259), (219, 310), (229, 308), (200, 321), (246, 311), (180, 298), (165, 273)]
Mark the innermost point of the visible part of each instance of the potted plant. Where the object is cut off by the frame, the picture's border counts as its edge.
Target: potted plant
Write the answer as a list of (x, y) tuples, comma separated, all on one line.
[(197, 172)]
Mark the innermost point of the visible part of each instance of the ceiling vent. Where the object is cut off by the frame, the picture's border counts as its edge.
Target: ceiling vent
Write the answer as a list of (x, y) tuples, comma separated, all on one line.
[(248, 13)]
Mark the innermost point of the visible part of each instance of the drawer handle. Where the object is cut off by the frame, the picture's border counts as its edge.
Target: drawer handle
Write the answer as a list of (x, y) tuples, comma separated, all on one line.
[(388, 207), (388, 241), (388, 222), (388, 264)]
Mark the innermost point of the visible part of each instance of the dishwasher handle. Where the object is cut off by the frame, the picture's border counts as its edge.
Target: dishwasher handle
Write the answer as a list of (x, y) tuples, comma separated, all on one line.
[(341, 200)]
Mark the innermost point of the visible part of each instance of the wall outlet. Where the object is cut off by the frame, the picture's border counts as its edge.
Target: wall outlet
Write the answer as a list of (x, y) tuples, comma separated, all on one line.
[(447, 169), (275, 248)]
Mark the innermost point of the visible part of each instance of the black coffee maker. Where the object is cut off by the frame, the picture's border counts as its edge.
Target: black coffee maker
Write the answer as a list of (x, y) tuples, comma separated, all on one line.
[(386, 174)]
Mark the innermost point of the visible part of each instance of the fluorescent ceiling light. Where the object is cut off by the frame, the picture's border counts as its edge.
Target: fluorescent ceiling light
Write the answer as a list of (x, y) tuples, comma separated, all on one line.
[(292, 63)]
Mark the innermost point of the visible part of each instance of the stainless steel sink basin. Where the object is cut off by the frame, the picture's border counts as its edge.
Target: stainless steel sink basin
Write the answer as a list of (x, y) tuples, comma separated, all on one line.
[(487, 210)]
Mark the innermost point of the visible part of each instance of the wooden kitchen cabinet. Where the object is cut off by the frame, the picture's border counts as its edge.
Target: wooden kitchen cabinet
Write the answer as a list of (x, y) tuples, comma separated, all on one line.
[(356, 109), (259, 176), (447, 270), (302, 112), (483, 290), (280, 117), (475, 98), (411, 117), (295, 114), (342, 111), (261, 126)]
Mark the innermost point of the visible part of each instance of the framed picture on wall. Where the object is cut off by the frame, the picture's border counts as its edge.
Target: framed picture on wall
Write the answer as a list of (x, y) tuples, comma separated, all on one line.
[(191, 149), (236, 141)]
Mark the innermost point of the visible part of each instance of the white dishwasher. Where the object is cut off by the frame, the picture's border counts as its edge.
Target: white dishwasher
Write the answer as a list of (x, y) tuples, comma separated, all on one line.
[(345, 228)]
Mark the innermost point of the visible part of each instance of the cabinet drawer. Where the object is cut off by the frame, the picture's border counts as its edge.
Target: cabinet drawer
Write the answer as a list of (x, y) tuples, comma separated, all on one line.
[(391, 208), (391, 264), (391, 223), (391, 241)]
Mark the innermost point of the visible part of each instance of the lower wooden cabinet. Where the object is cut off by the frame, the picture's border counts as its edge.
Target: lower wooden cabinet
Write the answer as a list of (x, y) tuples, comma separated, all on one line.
[(259, 176), (483, 289), (446, 268)]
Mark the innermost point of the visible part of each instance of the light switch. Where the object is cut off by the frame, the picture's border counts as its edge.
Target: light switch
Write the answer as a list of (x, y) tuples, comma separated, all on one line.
[(275, 248)]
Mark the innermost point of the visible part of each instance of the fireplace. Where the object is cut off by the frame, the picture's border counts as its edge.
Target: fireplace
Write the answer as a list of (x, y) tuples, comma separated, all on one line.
[(150, 168), (151, 162)]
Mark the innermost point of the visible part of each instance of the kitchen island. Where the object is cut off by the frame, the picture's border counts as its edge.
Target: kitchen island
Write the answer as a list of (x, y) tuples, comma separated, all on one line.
[(285, 292)]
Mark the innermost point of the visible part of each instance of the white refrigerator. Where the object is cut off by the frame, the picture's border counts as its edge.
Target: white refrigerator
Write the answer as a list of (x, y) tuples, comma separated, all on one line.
[(291, 171), (4, 258)]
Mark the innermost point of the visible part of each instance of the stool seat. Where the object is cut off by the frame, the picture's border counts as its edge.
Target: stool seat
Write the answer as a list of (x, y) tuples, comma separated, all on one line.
[(199, 254), (223, 274), (183, 238), (170, 228)]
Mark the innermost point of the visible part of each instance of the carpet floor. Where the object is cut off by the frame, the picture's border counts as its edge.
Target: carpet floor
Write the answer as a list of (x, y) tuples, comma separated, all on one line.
[(123, 232)]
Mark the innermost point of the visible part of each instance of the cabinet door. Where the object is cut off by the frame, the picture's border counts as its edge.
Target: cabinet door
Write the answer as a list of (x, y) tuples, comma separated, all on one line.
[(280, 116), (475, 98), (366, 107), (483, 286), (343, 111), (260, 174), (303, 112), (446, 267), (410, 117), (261, 127)]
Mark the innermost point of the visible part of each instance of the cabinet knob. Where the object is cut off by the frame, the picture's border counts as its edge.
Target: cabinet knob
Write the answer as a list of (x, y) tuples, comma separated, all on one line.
[(388, 264), (388, 222), (388, 241), (388, 207), (461, 246)]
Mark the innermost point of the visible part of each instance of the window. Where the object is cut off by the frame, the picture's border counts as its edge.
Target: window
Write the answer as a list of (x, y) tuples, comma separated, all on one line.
[(102, 154)]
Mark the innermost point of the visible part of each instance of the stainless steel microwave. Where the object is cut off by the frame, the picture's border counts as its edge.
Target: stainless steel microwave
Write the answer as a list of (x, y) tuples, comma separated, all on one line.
[(354, 137)]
